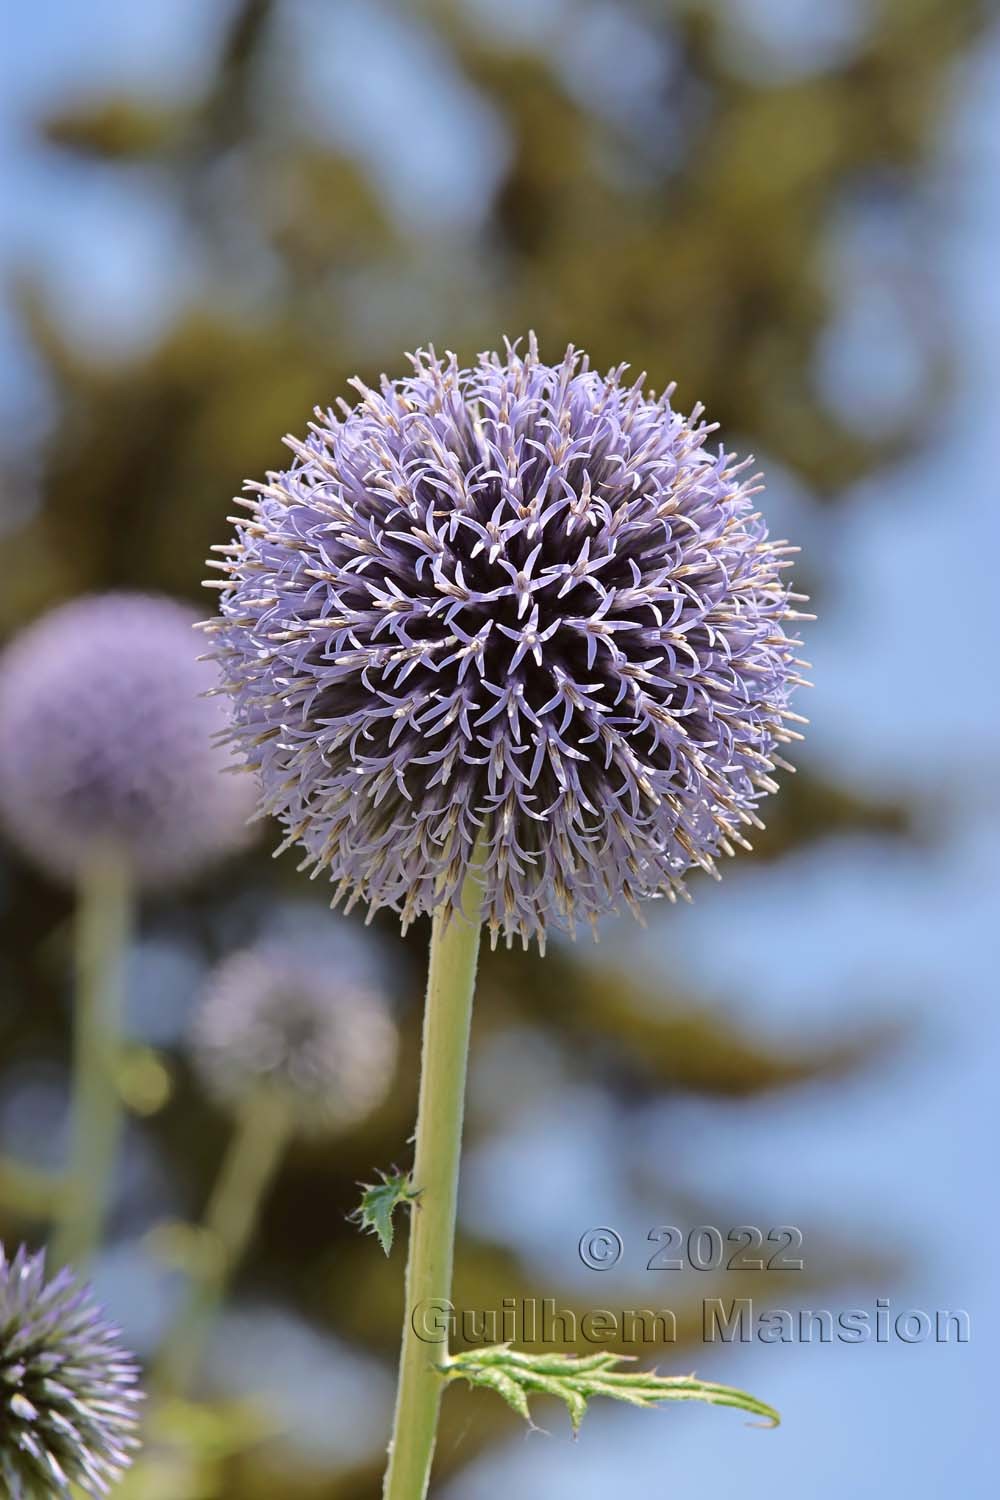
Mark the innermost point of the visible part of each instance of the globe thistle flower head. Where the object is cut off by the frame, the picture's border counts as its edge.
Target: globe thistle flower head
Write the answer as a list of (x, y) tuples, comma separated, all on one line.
[(517, 602), (107, 740), (293, 1019), (68, 1392)]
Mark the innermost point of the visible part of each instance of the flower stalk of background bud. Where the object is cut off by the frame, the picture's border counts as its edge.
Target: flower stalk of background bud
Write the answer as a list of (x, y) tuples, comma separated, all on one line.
[(102, 922), (263, 1130), (293, 1037), (509, 638)]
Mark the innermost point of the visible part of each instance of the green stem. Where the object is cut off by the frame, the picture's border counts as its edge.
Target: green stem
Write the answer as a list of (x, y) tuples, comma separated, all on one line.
[(102, 923), (248, 1169), (447, 1021)]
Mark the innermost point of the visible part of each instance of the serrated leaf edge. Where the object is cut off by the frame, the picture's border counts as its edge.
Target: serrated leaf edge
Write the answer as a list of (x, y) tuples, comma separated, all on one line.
[(393, 1188), (575, 1379)]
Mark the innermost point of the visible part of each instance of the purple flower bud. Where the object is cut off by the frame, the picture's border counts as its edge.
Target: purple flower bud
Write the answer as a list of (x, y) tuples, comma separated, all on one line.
[(68, 1392), (300, 1020), (518, 600), (106, 740)]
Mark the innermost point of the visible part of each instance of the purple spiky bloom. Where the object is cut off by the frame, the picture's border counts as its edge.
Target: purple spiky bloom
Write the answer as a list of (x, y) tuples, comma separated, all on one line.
[(517, 602), (301, 1021), (106, 739), (68, 1392)]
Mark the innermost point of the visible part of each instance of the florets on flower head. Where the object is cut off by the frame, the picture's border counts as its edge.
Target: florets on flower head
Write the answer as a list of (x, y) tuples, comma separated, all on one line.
[(296, 1020), (518, 603), (68, 1393), (107, 740)]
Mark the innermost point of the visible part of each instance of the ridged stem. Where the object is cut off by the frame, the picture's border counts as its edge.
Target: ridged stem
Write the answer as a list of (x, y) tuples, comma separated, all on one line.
[(447, 1022), (248, 1169), (101, 931)]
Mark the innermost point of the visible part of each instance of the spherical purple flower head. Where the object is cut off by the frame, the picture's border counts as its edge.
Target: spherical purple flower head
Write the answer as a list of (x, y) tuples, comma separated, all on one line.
[(521, 600), (68, 1393), (296, 1021), (106, 739)]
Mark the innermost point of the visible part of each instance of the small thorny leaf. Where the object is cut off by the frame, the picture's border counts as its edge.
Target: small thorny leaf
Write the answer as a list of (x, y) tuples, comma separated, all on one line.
[(379, 1202), (575, 1379)]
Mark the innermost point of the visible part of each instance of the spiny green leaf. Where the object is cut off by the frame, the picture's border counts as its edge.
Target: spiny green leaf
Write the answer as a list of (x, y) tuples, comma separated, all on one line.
[(575, 1379), (379, 1202)]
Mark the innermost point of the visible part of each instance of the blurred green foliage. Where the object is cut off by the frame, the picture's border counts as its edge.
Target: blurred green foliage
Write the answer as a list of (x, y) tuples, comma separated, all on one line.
[(696, 254)]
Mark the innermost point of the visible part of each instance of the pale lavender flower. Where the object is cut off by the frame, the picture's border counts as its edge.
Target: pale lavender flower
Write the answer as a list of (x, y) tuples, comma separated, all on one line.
[(519, 602), (68, 1392), (302, 1020), (106, 739)]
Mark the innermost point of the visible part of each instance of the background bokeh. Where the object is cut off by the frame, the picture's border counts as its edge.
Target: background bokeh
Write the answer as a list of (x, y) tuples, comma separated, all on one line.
[(215, 212)]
